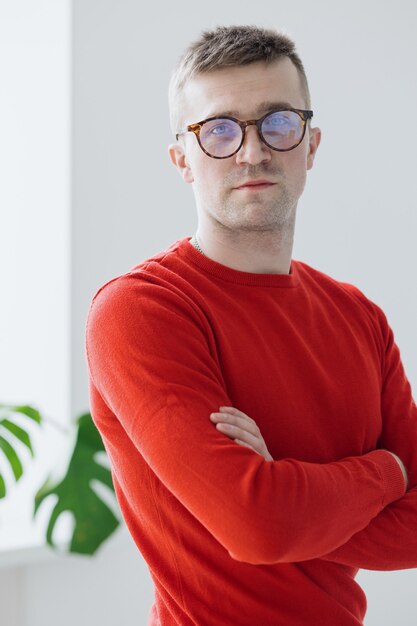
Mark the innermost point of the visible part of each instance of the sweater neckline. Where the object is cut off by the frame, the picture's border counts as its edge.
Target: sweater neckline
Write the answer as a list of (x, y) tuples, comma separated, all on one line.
[(188, 251)]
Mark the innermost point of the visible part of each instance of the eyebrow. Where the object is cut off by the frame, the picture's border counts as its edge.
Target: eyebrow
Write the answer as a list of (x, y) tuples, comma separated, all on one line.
[(264, 107)]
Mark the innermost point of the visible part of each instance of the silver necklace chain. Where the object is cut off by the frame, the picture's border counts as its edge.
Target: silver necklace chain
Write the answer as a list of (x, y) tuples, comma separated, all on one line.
[(196, 245)]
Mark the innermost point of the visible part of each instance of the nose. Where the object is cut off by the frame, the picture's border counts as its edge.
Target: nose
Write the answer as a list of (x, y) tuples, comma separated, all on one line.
[(253, 149)]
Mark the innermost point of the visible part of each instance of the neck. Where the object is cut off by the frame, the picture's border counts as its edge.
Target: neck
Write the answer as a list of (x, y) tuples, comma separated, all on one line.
[(259, 252)]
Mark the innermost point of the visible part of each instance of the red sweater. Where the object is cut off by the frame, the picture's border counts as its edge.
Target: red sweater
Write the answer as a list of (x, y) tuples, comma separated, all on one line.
[(230, 538)]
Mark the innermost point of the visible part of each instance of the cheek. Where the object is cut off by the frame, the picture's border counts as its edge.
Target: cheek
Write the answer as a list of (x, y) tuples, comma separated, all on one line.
[(208, 177), (206, 189), (296, 166)]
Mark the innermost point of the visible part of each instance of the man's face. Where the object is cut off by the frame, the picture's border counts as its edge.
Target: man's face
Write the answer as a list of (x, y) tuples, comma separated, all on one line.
[(244, 92)]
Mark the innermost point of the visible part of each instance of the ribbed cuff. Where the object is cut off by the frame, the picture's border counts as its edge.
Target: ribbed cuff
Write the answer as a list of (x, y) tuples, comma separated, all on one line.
[(391, 475)]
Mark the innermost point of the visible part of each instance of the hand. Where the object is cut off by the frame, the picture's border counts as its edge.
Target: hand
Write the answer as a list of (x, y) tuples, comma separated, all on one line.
[(242, 428)]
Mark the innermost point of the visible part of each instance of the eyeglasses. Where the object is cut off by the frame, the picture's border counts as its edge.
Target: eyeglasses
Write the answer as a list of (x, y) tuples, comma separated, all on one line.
[(221, 137)]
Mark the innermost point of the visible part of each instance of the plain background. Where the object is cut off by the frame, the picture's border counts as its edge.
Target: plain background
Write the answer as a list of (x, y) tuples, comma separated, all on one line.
[(35, 250), (356, 219)]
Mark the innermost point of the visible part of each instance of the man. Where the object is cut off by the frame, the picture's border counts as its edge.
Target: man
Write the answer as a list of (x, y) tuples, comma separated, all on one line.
[(259, 423)]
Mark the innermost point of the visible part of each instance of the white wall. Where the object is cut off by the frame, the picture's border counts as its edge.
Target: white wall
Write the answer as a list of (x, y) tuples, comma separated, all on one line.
[(112, 589), (35, 241), (356, 220)]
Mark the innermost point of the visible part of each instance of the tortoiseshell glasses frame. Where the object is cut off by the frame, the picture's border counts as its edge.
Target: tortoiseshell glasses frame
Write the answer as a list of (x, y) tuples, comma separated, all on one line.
[(304, 115)]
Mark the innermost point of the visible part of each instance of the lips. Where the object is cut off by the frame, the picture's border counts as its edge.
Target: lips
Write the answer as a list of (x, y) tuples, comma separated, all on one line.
[(256, 183)]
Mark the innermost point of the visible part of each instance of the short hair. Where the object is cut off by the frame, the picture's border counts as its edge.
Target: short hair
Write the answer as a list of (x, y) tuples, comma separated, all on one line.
[(228, 46)]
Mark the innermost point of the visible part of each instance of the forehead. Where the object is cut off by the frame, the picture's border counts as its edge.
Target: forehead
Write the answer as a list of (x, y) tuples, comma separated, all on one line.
[(241, 90)]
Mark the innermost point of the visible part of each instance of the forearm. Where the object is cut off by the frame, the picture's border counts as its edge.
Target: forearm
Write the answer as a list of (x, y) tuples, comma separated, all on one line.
[(306, 509), (389, 542)]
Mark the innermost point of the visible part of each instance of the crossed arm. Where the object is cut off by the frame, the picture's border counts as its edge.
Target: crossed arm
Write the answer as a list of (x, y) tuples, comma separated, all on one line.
[(245, 431), (286, 510), (389, 542), (382, 545)]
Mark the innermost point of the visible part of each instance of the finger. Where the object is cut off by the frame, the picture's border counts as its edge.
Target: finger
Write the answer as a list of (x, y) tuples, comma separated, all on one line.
[(236, 428), (243, 443), (235, 432), (241, 422), (233, 411)]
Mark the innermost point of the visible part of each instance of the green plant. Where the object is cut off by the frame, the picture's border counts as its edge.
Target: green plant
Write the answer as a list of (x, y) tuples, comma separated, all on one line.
[(94, 520), (9, 426)]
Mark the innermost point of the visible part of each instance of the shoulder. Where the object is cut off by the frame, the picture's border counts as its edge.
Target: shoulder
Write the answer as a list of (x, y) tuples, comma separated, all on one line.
[(149, 277), (151, 295), (348, 294)]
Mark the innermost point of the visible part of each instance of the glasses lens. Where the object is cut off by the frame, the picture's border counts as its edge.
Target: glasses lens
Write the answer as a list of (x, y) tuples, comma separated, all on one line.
[(282, 129), (220, 137)]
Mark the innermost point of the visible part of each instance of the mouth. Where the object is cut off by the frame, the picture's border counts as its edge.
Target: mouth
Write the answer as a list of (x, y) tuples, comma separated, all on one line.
[(257, 185)]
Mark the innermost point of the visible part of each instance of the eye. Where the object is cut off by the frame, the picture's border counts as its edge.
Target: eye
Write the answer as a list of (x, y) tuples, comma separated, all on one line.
[(220, 129), (279, 119)]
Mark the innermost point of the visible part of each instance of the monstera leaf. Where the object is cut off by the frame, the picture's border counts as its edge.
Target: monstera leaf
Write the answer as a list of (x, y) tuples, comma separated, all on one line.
[(94, 520), (20, 437)]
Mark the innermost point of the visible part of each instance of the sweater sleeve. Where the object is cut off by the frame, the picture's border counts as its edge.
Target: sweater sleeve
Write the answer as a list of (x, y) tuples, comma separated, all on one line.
[(152, 358), (389, 542)]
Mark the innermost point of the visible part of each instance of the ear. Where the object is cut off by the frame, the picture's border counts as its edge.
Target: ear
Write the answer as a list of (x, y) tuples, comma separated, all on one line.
[(314, 142), (179, 159)]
